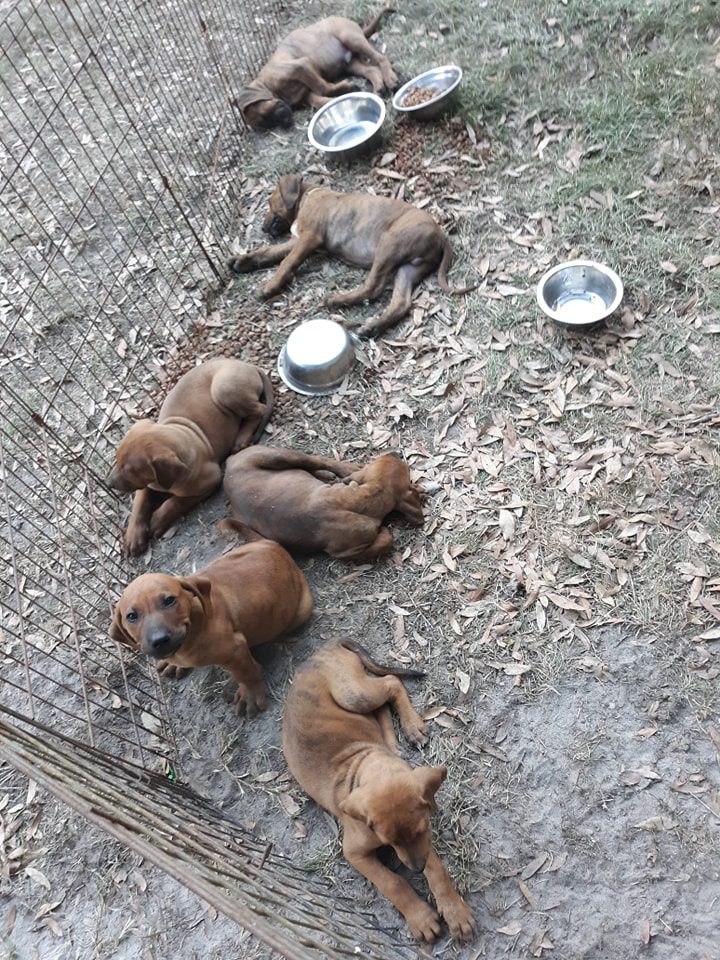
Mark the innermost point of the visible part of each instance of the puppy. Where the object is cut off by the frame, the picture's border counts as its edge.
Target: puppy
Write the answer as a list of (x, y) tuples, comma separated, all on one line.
[(247, 597), (395, 241), (340, 745), (275, 493), (304, 68), (212, 411)]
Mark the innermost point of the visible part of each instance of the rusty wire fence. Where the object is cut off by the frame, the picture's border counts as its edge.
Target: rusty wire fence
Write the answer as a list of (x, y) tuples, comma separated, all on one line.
[(119, 155)]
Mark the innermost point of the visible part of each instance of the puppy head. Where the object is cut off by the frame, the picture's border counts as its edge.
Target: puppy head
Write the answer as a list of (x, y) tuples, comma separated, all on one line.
[(144, 458), (283, 205), (262, 110), (398, 809), (154, 613)]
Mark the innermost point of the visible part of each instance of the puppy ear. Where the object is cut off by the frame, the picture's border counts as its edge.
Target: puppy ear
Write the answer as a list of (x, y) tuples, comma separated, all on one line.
[(118, 632), (355, 805), (199, 587), (168, 470), (290, 187), (431, 779)]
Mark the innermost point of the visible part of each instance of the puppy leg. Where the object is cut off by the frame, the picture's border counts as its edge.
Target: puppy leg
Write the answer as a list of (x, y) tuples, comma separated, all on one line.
[(377, 279), (137, 533), (262, 257), (172, 509), (305, 72), (301, 250), (250, 696), (384, 718), (406, 279), (450, 904), (231, 525), (268, 458), (379, 547), (316, 101), (424, 923), (356, 41), (353, 690), (373, 74)]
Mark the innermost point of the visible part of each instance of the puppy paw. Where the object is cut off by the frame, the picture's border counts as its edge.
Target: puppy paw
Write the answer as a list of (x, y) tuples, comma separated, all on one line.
[(250, 701), (458, 916), (424, 923), (135, 541), (266, 292), (347, 86), (391, 81), (415, 731), (170, 670), (243, 264)]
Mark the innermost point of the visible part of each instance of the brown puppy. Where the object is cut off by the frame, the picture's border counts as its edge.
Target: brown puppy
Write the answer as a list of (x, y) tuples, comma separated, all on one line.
[(340, 745), (249, 596), (212, 411), (275, 493), (394, 240), (301, 70)]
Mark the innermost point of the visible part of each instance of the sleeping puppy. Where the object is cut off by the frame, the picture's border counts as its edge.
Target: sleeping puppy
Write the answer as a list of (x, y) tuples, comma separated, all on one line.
[(304, 68), (218, 408), (249, 596), (397, 243), (277, 493), (340, 745)]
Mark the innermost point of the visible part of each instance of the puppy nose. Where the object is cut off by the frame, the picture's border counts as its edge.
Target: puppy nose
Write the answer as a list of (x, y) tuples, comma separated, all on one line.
[(159, 639)]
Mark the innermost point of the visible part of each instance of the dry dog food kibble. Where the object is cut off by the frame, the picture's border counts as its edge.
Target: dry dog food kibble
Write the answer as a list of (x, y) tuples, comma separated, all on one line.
[(419, 95)]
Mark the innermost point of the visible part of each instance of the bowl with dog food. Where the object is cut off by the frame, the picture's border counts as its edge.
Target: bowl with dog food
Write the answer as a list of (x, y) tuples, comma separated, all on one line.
[(430, 94), (317, 357), (579, 294), (348, 126)]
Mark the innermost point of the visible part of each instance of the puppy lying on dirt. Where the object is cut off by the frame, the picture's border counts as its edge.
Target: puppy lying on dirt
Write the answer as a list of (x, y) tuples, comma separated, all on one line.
[(395, 241), (247, 597), (275, 493), (340, 745), (304, 68), (212, 411)]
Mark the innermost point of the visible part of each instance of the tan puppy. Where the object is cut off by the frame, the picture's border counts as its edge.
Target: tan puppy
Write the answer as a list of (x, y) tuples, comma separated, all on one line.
[(302, 70), (395, 241), (275, 493), (249, 596), (340, 745), (212, 411)]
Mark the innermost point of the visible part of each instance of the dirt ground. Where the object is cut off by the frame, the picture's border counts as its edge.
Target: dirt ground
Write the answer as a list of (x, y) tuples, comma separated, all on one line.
[(563, 594)]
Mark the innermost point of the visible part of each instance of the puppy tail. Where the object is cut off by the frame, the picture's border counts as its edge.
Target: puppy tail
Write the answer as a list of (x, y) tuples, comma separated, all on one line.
[(445, 265), (377, 668), (268, 398), (372, 27), (229, 526)]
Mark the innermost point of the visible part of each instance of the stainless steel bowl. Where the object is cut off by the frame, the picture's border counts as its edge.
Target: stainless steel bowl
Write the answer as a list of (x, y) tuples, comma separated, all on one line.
[(348, 126), (317, 357), (444, 80), (579, 294)]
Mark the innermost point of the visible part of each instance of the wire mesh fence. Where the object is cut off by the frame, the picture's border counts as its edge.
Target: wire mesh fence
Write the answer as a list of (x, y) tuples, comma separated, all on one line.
[(119, 148)]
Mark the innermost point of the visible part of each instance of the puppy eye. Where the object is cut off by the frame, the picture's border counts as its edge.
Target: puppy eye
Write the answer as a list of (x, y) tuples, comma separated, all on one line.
[(168, 601), (132, 616)]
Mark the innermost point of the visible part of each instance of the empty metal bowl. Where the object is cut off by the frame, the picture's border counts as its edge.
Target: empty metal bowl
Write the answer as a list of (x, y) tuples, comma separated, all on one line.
[(348, 126), (316, 358), (579, 294), (443, 80)]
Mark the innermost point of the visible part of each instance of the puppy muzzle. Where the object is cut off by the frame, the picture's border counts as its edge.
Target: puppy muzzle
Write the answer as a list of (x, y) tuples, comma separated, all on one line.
[(118, 482), (160, 643)]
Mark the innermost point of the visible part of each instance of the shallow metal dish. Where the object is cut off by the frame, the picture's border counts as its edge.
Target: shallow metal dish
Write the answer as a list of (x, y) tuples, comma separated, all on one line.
[(317, 357), (579, 294), (445, 80), (348, 126)]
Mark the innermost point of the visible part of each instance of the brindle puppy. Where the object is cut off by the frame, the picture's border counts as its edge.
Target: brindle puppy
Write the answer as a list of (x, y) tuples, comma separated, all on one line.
[(304, 68), (394, 240)]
